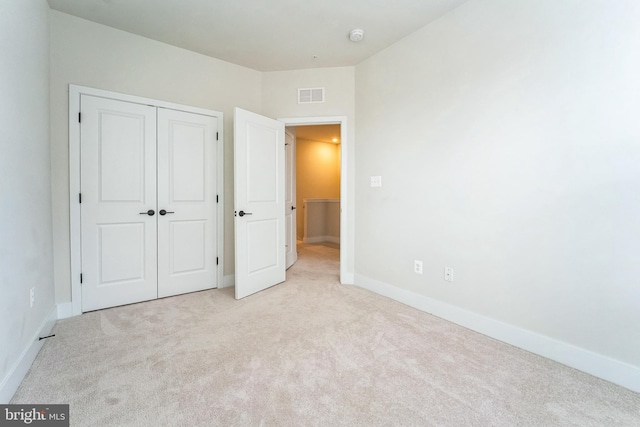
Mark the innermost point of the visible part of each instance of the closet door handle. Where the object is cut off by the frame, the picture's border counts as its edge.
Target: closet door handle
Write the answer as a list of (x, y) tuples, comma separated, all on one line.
[(150, 212), (243, 213), (163, 212)]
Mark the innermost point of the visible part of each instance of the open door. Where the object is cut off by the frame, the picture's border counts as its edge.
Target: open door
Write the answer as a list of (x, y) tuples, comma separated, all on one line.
[(291, 252), (259, 189)]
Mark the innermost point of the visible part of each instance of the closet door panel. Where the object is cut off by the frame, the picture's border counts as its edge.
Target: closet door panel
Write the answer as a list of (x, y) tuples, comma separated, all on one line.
[(186, 202), (118, 186)]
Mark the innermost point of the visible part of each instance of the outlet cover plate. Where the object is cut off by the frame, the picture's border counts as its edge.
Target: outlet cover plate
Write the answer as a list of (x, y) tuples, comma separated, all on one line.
[(417, 267), (448, 274)]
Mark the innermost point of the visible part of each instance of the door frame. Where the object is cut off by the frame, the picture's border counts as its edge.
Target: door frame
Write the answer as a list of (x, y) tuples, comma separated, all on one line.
[(75, 92), (347, 241)]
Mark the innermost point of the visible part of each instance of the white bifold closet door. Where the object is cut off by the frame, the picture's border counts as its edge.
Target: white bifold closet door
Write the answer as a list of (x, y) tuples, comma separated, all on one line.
[(187, 192), (148, 209)]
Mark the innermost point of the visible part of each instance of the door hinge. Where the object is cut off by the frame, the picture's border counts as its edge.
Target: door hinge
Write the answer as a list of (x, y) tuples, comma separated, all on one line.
[(217, 137), (79, 117), (217, 260), (80, 197), (217, 199), (80, 278)]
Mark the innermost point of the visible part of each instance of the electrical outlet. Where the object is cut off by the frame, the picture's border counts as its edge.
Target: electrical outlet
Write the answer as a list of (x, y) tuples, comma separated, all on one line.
[(448, 274), (32, 296), (417, 267)]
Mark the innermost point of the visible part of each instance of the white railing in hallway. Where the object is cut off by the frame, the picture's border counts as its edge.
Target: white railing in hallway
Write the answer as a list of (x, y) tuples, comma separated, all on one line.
[(321, 220)]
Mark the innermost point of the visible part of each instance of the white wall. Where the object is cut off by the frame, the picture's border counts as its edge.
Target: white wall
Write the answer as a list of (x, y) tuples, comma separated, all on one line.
[(25, 191), (280, 92), (89, 54), (280, 100), (507, 135)]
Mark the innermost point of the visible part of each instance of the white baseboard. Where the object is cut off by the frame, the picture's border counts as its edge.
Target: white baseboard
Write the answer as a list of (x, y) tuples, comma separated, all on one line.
[(600, 366), (347, 279), (320, 239), (65, 310), (229, 281), (316, 239), (12, 381)]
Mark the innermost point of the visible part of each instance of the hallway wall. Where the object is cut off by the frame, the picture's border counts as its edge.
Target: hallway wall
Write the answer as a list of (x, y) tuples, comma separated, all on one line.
[(317, 173)]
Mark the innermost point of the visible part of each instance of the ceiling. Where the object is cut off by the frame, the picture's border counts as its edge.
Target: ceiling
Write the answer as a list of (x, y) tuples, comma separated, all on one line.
[(267, 35), (321, 133)]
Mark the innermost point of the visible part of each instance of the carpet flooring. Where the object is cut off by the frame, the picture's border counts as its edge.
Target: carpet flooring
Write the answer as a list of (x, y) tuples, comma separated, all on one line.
[(308, 352)]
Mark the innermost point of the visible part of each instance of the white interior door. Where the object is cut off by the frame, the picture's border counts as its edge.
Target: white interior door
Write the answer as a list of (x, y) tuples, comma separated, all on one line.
[(291, 252), (259, 160), (186, 202), (118, 187)]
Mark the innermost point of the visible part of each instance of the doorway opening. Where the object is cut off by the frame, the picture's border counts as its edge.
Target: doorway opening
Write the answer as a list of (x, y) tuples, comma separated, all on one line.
[(317, 186), (347, 260), (265, 171)]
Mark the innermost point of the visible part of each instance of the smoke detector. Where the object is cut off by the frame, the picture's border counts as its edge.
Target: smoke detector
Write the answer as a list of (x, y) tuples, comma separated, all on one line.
[(356, 35)]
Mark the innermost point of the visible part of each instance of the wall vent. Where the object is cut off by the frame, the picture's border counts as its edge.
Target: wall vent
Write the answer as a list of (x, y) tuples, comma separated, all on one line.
[(310, 95)]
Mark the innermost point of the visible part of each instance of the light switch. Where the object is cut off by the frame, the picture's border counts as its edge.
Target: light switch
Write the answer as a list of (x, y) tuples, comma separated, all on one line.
[(376, 181)]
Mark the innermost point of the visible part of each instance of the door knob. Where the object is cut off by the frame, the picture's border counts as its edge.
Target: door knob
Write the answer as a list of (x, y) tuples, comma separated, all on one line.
[(163, 212), (150, 212), (243, 213), (293, 208)]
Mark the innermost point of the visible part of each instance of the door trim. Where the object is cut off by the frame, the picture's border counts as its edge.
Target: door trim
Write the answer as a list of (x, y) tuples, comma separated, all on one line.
[(75, 92), (347, 221)]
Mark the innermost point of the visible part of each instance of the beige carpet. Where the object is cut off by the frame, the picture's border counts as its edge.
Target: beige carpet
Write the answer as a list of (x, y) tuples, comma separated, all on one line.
[(309, 352)]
